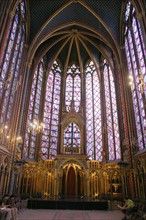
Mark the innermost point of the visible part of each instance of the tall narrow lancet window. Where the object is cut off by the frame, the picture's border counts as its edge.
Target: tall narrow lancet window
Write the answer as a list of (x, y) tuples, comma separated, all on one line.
[(51, 113), (73, 88), (111, 124), (10, 75), (93, 113), (72, 139), (136, 53), (33, 123)]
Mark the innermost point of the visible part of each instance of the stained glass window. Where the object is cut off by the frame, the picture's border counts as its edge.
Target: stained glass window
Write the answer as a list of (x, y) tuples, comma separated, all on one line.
[(73, 88), (72, 139), (49, 142), (32, 128), (47, 129), (136, 53), (112, 128), (93, 114), (10, 77)]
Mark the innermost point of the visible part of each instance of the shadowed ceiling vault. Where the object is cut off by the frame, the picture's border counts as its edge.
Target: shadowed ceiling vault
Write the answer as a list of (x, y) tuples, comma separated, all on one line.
[(75, 30)]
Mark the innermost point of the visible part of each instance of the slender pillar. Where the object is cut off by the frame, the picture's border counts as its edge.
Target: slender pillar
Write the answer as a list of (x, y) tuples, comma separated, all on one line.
[(1, 183), (12, 179)]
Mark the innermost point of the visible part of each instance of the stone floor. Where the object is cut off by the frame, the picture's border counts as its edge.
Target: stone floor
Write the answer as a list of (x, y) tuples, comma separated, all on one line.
[(43, 214)]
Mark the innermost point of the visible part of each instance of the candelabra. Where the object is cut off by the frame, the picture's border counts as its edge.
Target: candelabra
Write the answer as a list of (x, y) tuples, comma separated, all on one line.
[(137, 83), (6, 137), (3, 133), (36, 126)]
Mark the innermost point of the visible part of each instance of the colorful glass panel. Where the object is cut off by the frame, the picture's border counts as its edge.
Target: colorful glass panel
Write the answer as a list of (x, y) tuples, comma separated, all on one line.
[(93, 114), (112, 127), (10, 78), (49, 141), (73, 88), (33, 113), (72, 139), (135, 53)]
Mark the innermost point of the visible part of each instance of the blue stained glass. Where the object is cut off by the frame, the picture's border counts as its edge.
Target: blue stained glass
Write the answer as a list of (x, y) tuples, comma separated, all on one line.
[(51, 113), (93, 113), (10, 66), (73, 88), (33, 114), (135, 53), (71, 139)]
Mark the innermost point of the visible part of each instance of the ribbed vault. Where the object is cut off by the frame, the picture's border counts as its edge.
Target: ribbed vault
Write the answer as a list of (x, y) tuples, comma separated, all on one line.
[(75, 30)]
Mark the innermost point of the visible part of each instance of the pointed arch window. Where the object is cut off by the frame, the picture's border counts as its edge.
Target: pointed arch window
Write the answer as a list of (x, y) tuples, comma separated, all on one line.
[(73, 88), (30, 142), (136, 52), (46, 148), (49, 141), (93, 113), (10, 77), (111, 127)]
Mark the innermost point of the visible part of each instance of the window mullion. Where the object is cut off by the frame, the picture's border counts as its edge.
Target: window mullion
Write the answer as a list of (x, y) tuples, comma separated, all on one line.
[(72, 130), (51, 112), (73, 95), (111, 110), (94, 147), (36, 86)]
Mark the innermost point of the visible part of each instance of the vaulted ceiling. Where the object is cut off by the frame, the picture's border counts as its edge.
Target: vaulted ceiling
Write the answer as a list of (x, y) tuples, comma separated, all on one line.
[(75, 30)]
